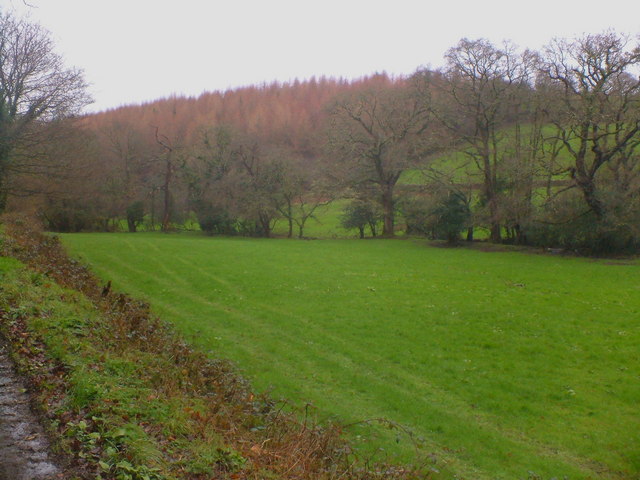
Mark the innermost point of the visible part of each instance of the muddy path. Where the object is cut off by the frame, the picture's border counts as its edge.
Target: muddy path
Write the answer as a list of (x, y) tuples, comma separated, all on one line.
[(24, 450)]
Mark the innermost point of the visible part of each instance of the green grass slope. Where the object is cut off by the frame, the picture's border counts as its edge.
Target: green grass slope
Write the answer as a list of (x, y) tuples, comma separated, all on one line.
[(124, 397), (505, 363)]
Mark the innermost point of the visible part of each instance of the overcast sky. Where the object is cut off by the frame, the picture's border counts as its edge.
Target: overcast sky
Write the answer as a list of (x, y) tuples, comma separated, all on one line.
[(138, 50)]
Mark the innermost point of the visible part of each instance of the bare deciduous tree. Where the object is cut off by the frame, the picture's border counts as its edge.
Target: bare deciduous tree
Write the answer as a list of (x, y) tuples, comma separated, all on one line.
[(482, 90), (35, 88), (380, 133), (302, 191), (594, 88)]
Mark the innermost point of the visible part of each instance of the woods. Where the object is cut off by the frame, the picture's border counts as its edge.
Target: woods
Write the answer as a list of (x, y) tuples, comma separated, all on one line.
[(537, 148)]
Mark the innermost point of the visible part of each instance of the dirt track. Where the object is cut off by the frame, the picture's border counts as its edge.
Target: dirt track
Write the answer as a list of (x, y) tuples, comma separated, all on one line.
[(23, 446)]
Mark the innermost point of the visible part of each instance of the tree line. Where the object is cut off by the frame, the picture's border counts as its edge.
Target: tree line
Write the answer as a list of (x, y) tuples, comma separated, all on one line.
[(531, 147)]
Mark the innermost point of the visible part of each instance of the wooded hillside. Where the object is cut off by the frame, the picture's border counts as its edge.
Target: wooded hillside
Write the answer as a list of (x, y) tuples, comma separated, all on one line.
[(527, 147)]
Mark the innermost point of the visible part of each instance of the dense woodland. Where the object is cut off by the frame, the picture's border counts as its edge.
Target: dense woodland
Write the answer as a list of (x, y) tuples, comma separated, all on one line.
[(537, 148)]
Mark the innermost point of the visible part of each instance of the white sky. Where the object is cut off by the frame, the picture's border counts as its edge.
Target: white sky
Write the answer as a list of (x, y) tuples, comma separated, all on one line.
[(138, 50)]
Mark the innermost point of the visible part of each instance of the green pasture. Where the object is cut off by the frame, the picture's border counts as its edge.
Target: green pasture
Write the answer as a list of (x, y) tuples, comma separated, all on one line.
[(325, 223), (457, 166), (506, 365)]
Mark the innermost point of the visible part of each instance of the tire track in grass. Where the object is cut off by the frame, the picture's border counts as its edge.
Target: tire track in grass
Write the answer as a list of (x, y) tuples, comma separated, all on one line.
[(172, 273), (279, 311), (302, 358), (447, 398), (338, 361), (264, 307), (208, 274), (459, 418), (443, 408)]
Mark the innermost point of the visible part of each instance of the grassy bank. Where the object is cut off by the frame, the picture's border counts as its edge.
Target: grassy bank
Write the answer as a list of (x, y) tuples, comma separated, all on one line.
[(123, 397), (507, 365)]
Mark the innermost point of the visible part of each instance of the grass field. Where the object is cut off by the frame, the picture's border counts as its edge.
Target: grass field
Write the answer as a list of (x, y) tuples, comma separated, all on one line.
[(324, 224), (509, 365)]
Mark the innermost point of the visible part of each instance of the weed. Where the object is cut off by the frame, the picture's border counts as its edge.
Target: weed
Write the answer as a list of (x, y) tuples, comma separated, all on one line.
[(229, 460)]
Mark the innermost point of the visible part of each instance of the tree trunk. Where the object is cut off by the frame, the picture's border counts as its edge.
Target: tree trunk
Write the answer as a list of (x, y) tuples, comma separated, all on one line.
[(490, 181), (470, 234), (590, 194), (496, 233), (4, 179), (288, 214), (166, 215), (494, 218), (301, 224), (4, 194), (153, 209), (265, 224), (388, 212)]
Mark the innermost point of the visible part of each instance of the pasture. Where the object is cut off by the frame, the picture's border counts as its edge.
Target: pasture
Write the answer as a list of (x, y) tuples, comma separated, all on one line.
[(505, 364)]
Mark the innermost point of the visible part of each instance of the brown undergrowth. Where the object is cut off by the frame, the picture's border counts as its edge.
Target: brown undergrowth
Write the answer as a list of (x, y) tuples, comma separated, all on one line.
[(253, 436)]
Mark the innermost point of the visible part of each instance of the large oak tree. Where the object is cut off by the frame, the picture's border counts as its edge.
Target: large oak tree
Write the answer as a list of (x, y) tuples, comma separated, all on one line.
[(380, 133), (593, 88), (482, 90)]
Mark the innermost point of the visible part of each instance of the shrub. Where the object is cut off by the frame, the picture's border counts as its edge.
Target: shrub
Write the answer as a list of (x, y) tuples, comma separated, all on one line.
[(135, 215), (451, 216), (360, 214), (439, 217), (417, 214), (215, 220), (567, 225), (68, 216)]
